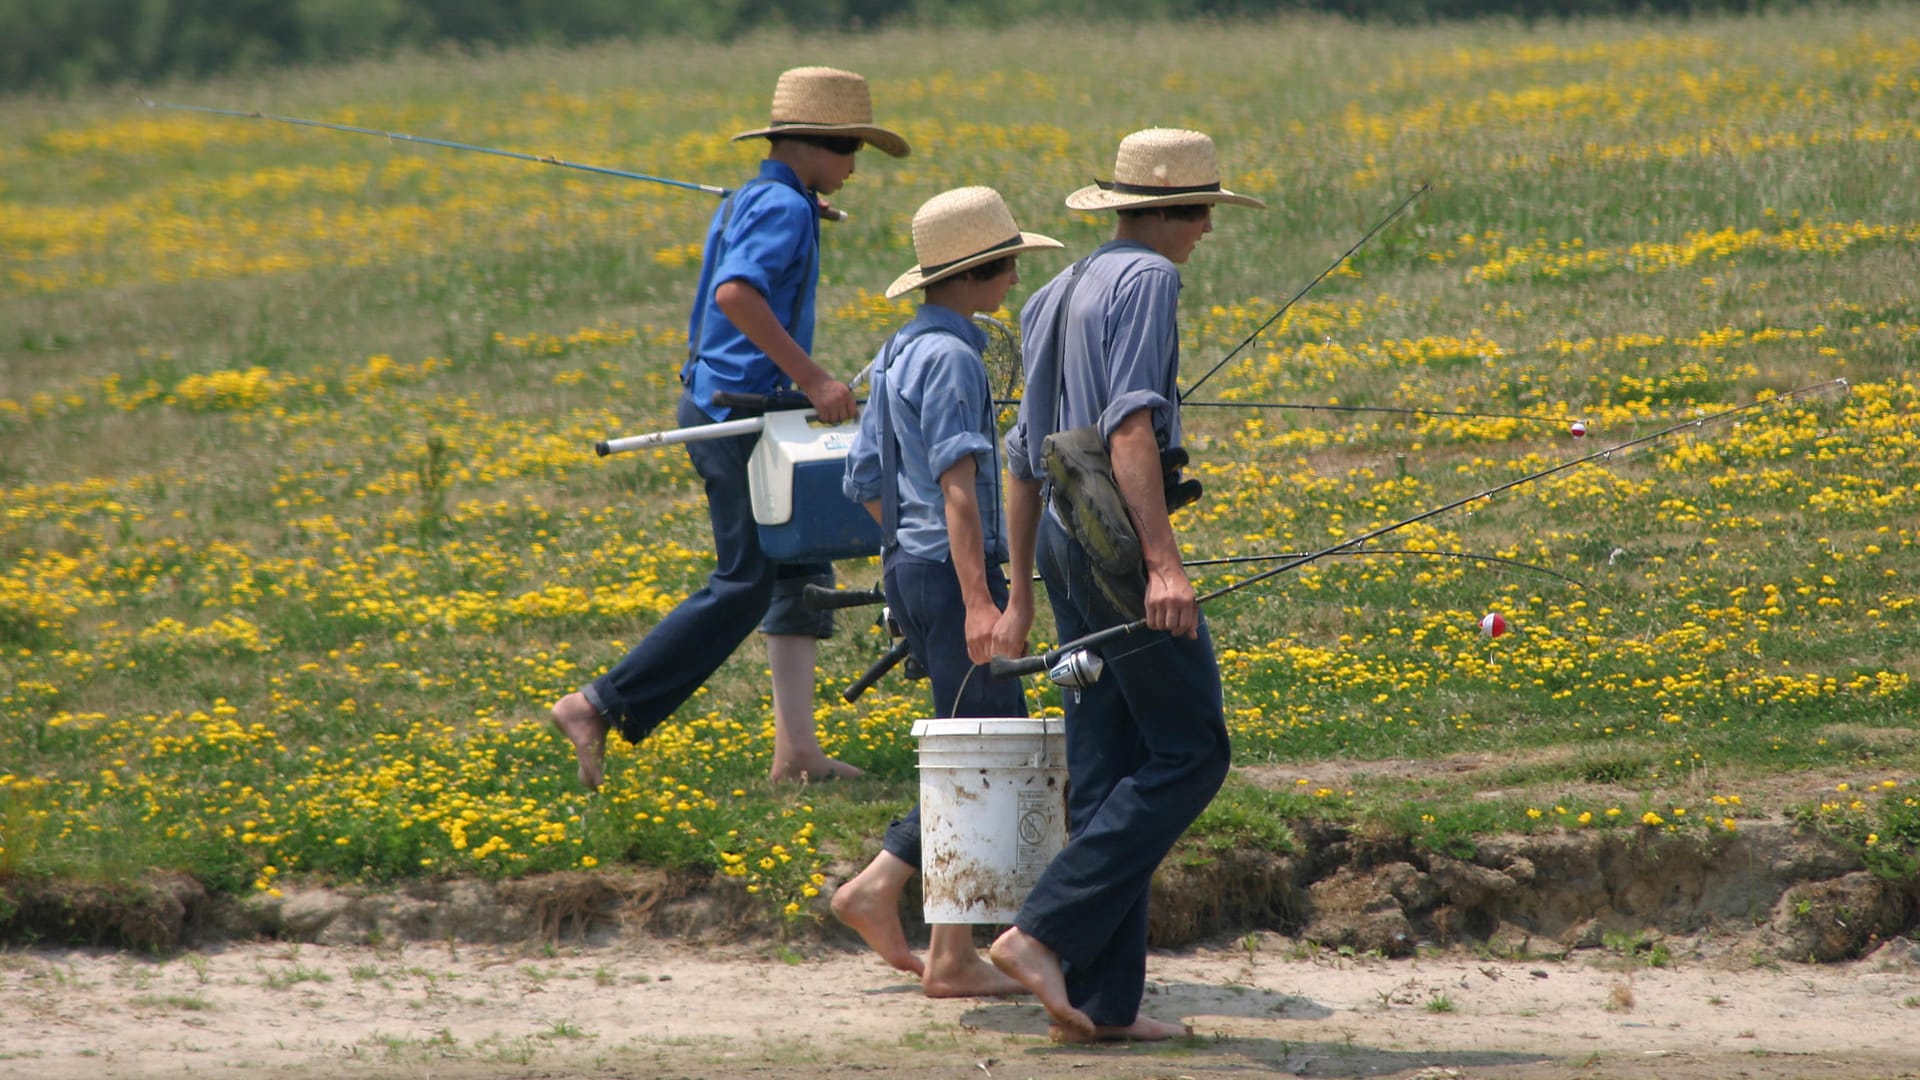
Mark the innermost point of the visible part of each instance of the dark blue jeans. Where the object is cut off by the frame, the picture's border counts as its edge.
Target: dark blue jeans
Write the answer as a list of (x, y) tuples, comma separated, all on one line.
[(925, 598), (746, 589), (1146, 751)]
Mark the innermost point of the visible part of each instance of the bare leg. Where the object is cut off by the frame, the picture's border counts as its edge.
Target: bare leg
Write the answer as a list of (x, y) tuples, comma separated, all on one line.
[(1143, 1029), (796, 746), (1035, 966), (870, 903), (956, 969), (586, 729)]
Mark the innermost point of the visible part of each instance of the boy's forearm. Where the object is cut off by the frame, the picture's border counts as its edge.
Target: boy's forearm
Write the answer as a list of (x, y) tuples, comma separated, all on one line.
[(1136, 469), (1023, 522)]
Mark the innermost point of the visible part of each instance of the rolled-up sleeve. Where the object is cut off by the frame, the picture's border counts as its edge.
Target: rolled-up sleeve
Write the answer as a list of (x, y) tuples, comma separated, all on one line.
[(1143, 351), (760, 244), (1016, 443)]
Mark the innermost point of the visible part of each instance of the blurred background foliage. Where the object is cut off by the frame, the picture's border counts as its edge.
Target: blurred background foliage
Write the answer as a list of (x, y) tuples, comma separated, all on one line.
[(61, 45)]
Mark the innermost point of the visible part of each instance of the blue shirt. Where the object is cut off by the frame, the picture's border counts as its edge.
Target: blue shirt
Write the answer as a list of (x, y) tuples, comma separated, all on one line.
[(770, 239), (941, 410), (1118, 351)]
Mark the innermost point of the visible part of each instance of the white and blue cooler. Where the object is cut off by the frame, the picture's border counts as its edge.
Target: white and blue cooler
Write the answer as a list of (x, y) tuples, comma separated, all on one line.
[(794, 480)]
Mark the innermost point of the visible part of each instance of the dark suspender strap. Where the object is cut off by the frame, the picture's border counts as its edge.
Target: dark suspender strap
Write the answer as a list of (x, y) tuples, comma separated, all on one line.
[(882, 404)]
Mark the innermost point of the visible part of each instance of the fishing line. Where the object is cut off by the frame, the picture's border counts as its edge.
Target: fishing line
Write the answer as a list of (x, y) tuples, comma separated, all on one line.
[(1308, 287), (396, 136), (1063, 656)]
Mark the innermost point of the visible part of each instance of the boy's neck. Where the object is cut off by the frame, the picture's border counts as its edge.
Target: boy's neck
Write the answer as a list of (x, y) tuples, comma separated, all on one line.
[(954, 294), (795, 156), (1150, 230)]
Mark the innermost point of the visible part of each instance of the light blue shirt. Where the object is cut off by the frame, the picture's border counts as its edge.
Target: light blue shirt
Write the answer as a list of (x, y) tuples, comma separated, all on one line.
[(941, 410), (770, 239), (1117, 352)]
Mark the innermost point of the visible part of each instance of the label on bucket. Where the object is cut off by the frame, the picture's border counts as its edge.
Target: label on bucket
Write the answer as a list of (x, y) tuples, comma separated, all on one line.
[(1035, 844)]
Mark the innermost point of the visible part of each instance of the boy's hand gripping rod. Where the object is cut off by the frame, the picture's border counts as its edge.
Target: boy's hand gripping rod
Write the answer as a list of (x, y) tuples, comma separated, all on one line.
[(1074, 665), (828, 212)]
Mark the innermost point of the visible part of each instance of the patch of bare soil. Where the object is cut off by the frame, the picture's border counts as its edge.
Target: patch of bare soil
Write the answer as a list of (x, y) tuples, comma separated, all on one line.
[(1594, 954), (1261, 1005)]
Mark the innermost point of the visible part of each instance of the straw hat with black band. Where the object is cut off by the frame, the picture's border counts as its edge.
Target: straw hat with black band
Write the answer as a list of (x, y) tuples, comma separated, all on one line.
[(961, 229), (826, 101), (1161, 167)]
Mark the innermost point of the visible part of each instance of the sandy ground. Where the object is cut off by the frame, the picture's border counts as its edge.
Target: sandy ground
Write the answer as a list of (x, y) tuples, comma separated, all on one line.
[(1260, 1006)]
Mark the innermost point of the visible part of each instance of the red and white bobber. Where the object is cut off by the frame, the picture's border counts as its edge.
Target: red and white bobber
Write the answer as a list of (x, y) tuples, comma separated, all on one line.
[(1493, 624)]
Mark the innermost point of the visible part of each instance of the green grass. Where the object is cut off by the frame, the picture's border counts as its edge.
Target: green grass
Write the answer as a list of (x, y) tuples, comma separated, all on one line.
[(302, 534)]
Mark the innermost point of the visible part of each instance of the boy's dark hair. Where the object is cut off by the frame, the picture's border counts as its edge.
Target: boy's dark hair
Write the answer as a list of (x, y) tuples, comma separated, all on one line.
[(987, 270), (1181, 212), (837, 144)]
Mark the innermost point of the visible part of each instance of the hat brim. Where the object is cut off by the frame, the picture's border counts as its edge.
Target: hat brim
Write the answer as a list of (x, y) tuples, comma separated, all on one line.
[(1095, 197), (915, 279), (887, 142)]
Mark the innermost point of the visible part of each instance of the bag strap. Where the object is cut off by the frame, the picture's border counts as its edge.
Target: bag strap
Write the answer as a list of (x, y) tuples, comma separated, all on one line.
[(882, 404)]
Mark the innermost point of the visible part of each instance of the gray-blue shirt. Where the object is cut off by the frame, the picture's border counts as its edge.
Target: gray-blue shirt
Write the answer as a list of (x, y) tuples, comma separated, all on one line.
[(1118, 352), (941, 411)]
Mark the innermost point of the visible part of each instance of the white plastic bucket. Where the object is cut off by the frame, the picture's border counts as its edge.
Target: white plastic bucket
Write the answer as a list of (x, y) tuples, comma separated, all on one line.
[(993, 812)]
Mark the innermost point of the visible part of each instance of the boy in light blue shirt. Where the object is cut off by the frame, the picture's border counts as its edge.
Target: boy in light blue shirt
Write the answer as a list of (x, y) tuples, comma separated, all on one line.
[(927, 466)]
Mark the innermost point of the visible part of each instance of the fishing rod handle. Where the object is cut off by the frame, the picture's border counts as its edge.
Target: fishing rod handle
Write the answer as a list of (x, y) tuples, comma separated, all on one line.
[(872, 674), (725, 429), (1014, 667), (821, 598), (758, 404)]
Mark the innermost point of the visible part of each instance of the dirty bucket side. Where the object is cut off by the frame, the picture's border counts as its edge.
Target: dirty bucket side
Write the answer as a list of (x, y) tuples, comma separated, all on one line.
[(993, 813)]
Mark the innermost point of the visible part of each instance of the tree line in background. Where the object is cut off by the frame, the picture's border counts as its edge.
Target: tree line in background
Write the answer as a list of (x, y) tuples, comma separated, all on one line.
[(64, 44)]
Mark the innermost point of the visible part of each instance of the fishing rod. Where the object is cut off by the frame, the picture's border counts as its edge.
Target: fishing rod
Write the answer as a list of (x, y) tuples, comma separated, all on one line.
[(821, 598), (1308, 287), (1006, 353), (830, 213), (1464, 556), (1073, 665), (1576, 426)]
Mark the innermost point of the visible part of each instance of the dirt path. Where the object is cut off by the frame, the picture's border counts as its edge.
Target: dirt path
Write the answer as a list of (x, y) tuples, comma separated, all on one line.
[(1260, 1006)]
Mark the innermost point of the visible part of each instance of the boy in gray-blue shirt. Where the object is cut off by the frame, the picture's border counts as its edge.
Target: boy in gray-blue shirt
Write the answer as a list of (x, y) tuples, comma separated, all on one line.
[(927, 466), (1147, 742)]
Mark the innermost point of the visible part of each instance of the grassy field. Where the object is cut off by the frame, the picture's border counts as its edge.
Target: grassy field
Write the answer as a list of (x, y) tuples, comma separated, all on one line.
[(302, 533)]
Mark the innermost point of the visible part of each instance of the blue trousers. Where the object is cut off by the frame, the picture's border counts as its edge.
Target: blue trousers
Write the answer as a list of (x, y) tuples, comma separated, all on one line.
[(745, 590), (925, 598), (1146, 751)]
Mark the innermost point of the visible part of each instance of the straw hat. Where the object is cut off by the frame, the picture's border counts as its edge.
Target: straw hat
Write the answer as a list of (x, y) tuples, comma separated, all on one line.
[(1161, 167), (826, 101), (960, 229)]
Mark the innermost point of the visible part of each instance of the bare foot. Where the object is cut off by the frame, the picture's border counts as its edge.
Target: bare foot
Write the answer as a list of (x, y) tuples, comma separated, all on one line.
[(1035, 966), (810, 769), (582, 724), (870, 904), (973, 977), (1143, 1029)]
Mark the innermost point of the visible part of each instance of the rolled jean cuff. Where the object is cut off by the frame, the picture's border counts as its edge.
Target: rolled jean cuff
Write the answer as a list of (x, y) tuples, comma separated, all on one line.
[(592, 694), (787, 613)]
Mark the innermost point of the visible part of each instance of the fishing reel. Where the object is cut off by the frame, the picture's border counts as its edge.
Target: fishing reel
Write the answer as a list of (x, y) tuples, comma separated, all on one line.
[(1076, 670), (1179, 492)]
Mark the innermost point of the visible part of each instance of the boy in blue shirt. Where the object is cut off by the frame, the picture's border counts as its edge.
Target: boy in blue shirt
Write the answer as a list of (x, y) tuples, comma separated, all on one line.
[(751, 331), (926, 464)]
